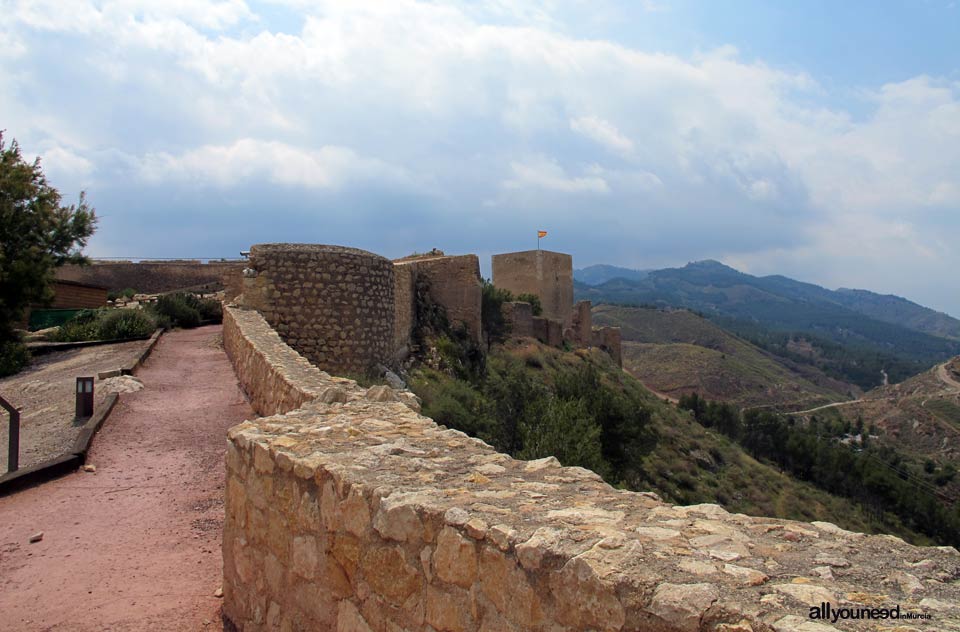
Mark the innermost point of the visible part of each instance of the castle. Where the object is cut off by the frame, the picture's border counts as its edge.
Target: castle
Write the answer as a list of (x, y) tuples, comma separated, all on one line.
[(347, 310)]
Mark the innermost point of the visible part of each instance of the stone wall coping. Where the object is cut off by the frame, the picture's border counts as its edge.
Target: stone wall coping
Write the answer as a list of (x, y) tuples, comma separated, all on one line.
[(308, 248)]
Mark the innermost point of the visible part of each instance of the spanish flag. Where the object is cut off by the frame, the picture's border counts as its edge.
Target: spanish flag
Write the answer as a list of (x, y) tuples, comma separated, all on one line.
[(541, 234)]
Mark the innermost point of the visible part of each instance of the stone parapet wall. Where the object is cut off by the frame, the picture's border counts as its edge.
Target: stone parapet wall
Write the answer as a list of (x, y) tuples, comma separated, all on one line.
[(151, 276), (548, 331), (275, 378), (360, 515), (453, 282), (609, 339), (334, 305), (582, 325), (519, 317)]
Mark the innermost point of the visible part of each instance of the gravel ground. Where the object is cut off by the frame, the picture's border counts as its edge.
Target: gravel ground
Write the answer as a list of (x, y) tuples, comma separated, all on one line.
[(45, 394), (134, 545)]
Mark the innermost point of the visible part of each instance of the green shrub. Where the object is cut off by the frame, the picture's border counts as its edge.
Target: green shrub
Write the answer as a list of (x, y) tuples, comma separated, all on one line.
[(14, 355), (82, 327), (122, 324), (186, 310), (210, 309), (177, 308), (534, 301)]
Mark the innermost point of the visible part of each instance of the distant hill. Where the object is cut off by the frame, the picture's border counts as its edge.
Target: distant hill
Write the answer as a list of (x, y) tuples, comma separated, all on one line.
[(919, 419), (676, 352), (677, 457), (873, 332), (595, 275)]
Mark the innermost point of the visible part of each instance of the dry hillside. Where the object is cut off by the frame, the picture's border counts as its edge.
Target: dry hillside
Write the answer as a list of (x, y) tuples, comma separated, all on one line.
[(676, 352)]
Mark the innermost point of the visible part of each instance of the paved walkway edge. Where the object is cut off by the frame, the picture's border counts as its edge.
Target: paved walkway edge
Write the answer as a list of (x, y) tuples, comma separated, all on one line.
[(66, 463)]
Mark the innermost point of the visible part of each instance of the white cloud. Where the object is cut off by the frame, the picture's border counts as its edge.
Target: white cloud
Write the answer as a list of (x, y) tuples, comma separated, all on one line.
[(602, 132), (249, 159), (546, 174), (60, 162)]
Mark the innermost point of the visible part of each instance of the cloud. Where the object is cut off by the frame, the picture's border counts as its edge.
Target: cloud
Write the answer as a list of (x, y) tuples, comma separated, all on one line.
[(544, 173), (250, 159), (462, 112), (602, 132)]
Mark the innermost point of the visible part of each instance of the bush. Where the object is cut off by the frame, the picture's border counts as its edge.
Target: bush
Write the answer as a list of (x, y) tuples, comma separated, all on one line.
[(107, 324), (534, 301), (125, 323), (187, 310), (178, 310), (14, 355), (82, 327)]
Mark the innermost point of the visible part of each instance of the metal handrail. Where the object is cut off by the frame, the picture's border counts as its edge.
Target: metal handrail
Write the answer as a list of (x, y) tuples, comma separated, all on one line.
[(13, 444)]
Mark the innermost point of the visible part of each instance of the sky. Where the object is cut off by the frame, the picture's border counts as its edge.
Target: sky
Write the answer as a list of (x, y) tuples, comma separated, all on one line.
[(819, 140)]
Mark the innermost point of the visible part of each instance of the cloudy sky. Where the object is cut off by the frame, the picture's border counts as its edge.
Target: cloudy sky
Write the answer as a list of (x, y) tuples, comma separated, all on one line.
[(816, 139)]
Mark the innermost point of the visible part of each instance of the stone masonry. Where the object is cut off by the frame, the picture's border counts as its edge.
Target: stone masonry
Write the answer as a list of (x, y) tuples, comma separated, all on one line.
[(454, 283), (332, 304), (346, 510), (547, 274), (151, 276)]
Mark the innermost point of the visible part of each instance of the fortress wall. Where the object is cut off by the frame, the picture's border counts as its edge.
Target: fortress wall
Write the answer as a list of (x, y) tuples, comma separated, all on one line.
[(582, 324), (547, 274), (609, 339), (363, 516), (151, 277), (454, 282), (405, 309), (275, 378), (334, 305), (519, 316)]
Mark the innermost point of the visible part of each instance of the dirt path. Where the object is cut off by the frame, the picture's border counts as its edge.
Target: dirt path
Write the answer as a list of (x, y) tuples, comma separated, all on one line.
[(45, 394), (135, 545), (944, 376)]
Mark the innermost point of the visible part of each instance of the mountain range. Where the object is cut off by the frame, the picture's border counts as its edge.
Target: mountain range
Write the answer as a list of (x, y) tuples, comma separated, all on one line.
[(856, 335)]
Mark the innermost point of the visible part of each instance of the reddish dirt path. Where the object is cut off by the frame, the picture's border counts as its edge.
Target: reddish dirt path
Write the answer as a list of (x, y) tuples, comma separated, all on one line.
[(135, 545)]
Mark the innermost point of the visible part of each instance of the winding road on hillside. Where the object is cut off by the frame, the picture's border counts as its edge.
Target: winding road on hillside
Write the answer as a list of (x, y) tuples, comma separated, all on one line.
[(942, 373), (134, 545)]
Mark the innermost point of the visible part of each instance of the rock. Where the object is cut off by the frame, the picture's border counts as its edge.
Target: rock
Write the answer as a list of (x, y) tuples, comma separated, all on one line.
[(121, 384), (89, 468), (683, 605), (456, 517), (381, 393), (394, 381), (793, 623), (218, 593), (746, 576), (808, 594), (333, 395), (657, 533), (455, 559), (36, 537), (541, 464)]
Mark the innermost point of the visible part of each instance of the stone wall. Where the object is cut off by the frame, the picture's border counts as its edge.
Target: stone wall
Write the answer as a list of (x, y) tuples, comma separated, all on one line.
[(582, 325), (548, 331), (151, 277), (334, 305), (360, 515), (609, 339), (547, 274), (519, 317), (405, 309), (454, 282)]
